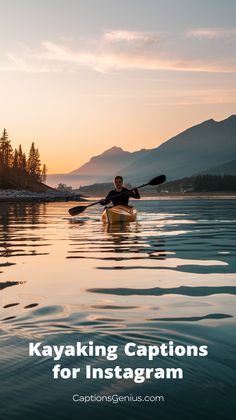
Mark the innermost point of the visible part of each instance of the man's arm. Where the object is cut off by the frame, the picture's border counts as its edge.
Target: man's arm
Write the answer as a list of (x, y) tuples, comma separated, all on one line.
[(133, 193), (136, 193), (106, 200)]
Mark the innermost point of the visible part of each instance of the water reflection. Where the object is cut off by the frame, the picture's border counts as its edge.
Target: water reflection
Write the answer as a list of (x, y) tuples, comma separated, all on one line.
[(170, 276), (159, 291), (170, 249), (18, 238), (19, 212), (5, 284), (121, 242)]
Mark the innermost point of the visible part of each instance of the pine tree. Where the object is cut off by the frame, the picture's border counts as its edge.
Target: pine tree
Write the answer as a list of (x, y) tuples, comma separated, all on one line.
[(24, 163), (33, 163), (44, 173), (20, 158), (15, 164), (38, 164), (31, 160), (6, 152)]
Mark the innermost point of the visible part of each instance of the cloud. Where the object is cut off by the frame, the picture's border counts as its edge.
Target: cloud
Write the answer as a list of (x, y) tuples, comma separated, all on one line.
[(106, 60), (121, 50), (212, 33), (131, 37)]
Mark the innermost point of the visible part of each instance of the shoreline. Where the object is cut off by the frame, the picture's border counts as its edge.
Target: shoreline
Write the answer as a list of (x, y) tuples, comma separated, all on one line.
[(200, 195), (179, 196), (52, 196), (47, 196)]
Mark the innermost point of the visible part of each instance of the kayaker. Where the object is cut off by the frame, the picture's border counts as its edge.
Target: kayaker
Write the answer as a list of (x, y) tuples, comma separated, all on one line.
[(120, 195)]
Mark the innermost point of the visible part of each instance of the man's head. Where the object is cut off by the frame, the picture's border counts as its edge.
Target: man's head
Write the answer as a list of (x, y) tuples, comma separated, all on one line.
[(118, 182)]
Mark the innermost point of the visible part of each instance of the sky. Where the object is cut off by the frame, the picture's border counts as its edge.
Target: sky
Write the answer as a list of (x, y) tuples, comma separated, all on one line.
[(80, 76)]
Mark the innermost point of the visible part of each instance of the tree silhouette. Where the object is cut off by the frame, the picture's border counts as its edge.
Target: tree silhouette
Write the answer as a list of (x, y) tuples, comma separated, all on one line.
[(6, 152), (33, 163), (44, 173), (15, 165), (15, 170)]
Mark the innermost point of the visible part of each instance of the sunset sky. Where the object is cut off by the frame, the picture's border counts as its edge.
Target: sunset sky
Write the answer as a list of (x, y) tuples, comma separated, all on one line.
[(80, 76)]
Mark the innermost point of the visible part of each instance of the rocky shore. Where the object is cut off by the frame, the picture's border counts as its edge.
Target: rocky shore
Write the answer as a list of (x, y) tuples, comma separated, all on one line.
[(46, 196)]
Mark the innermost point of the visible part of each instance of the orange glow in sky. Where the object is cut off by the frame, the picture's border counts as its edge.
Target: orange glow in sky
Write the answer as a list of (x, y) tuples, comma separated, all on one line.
[(94, 82)]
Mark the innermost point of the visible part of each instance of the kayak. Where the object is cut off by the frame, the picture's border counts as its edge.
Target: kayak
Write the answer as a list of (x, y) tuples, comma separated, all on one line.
[(119, 214)]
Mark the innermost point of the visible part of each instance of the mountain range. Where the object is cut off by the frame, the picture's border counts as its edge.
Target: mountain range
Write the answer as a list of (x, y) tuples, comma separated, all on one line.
[(209, 147)]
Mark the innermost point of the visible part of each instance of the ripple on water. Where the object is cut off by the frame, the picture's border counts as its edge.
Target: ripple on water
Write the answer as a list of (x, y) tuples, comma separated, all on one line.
[(170, 276)]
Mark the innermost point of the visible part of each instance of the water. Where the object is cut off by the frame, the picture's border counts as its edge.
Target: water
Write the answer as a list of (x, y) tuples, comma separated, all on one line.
[(168, 277)]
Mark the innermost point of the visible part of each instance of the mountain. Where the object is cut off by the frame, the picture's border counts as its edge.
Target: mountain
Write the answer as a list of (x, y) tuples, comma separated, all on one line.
[(99, 168), (209, 146), (196, 149), (109, 163), (226, 168)]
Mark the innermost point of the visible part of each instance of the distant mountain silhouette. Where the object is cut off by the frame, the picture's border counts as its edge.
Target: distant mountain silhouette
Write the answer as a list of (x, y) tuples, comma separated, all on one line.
[(99, 169), (195, 150), (228, 168), (204, 148), (109, 162)]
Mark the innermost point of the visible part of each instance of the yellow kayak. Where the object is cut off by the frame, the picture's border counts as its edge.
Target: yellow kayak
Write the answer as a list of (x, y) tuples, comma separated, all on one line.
[(119, 214)]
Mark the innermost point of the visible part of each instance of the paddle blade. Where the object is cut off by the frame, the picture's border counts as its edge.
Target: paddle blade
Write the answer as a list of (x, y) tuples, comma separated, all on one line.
[(76, 210), (158, 180)]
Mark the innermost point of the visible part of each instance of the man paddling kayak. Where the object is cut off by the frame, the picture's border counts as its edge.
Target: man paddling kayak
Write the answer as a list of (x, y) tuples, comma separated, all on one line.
[(155, 181), (120, 195)]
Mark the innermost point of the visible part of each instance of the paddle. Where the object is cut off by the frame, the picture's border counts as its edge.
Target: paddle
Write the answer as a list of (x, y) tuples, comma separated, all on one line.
[(155, 181)]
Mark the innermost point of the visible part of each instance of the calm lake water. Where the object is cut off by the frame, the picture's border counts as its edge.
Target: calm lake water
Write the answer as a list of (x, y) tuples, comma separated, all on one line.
[(169, 277)]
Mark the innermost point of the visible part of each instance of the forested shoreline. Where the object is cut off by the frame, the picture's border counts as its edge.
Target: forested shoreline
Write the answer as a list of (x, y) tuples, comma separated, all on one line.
[(18, 170), (201, 183)]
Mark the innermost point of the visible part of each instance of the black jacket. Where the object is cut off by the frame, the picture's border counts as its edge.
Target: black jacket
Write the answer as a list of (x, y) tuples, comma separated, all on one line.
[(119, 198)]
